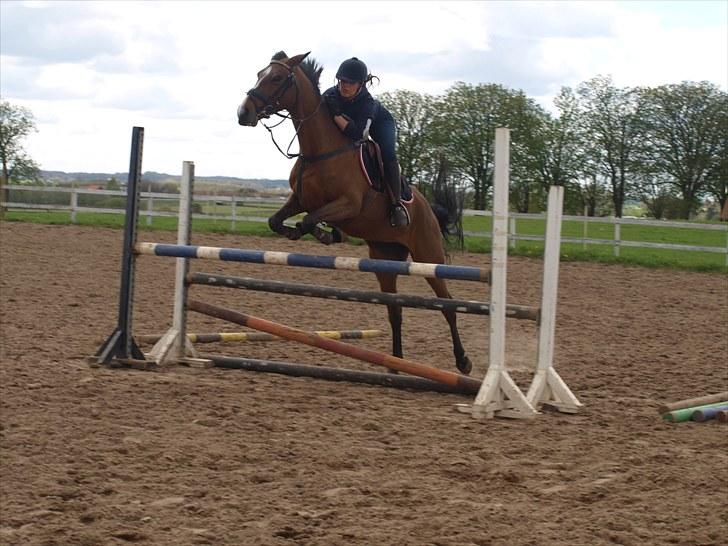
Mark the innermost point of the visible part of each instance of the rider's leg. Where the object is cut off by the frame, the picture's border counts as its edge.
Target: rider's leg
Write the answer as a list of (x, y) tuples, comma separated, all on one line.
[(398, 216), (383, 131)]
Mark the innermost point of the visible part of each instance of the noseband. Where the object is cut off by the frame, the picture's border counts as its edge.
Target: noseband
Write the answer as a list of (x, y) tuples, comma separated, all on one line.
[(271, 104)]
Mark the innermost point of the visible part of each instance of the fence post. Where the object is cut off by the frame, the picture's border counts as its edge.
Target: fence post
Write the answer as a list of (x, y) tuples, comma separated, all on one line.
[(585, 230), (512, 232), (74, 204), (232, 203), (617, 236), (150, 207), (214, 207)]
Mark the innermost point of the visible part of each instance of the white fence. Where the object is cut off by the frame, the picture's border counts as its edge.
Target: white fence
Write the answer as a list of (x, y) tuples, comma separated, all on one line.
[(234, 203)]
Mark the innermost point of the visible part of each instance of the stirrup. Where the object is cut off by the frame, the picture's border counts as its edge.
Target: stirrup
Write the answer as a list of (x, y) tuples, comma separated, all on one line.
[(398, 216)]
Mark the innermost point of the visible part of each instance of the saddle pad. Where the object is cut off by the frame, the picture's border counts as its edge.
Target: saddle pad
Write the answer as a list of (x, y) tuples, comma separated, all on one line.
[(370, 168)]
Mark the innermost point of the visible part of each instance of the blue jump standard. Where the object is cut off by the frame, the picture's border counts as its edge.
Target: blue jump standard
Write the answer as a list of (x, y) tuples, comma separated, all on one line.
[(440, 271)]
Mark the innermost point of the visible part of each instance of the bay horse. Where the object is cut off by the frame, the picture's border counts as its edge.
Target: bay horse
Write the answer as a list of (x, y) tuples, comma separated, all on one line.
[(328, 184)]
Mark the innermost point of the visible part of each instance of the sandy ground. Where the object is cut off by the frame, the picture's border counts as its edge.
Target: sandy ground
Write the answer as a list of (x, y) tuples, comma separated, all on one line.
[(225, 457)]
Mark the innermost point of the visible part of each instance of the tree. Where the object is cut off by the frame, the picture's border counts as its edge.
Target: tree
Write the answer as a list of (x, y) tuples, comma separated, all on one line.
[(114, 185), (557, 154), (464, 130), (613, 128), (527, 120), (413, 114), (16, 123), (687, 133)]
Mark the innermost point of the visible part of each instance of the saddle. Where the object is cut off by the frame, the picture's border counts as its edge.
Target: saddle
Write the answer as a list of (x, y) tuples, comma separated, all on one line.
[(370, 160)]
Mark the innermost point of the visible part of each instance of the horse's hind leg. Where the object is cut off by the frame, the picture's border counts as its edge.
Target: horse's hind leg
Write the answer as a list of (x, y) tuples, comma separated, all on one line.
[(462, 361), (433, 253), (388, 283)]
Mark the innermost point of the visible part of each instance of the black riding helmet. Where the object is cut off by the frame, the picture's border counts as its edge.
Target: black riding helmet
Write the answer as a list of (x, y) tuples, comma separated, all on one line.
[(352, 70)]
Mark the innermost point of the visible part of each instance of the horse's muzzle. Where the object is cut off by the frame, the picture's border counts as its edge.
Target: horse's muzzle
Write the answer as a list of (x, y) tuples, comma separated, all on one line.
[(247, 116)]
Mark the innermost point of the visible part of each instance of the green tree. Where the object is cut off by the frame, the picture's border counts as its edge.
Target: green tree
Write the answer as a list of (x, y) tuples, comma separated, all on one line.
[(528, 186), (464, 130), (717, 183), (414, 114), (16, 123), (687, 134), (557, 154), (613, 132), (113, 184)]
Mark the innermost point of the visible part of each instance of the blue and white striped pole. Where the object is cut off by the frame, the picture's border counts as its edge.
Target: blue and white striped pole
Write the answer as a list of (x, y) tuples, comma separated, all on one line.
[(418, 269)]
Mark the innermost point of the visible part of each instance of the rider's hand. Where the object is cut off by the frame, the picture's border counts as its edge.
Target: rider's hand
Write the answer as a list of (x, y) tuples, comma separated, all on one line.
[(334, 105)]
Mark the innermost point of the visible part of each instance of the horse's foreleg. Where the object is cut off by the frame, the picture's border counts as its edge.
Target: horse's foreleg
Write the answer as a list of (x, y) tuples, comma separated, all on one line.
[(328, 237), (336, 211), (290, 208), (462, 361)]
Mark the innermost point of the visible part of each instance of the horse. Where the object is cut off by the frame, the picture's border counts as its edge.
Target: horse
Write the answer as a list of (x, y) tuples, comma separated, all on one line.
[(328, 184)]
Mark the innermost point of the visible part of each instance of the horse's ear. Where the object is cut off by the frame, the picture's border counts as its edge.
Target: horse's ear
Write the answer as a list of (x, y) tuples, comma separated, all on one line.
[(297, 59)]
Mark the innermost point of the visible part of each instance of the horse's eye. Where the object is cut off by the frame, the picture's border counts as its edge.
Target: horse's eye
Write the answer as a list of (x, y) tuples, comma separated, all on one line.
[(276, 79)]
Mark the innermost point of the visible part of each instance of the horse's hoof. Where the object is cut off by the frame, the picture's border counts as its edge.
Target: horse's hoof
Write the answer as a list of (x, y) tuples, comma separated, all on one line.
[(464, 365), (303, 227), (337, 236), (293, 234)]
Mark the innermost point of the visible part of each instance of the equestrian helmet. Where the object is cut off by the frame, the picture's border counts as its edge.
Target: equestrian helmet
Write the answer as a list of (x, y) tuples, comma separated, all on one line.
[(352, 70)]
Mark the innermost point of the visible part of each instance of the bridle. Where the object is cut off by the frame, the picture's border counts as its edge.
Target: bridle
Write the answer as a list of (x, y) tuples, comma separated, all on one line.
[(272, 105)]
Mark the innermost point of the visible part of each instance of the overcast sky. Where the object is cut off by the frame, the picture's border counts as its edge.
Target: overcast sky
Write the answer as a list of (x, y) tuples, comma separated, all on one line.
[(89, 71)]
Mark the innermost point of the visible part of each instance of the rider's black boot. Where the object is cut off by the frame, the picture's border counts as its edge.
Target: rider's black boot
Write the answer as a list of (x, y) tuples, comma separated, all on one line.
[(398, 215)]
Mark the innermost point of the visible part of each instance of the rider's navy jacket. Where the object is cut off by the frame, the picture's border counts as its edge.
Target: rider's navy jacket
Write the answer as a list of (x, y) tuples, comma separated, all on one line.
[(360, 110)]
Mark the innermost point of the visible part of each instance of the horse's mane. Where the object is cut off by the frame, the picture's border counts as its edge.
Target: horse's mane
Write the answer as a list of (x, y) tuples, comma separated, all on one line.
[(310, 67)]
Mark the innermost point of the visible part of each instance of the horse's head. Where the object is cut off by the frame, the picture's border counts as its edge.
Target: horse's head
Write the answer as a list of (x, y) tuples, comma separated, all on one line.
[(275, 90)]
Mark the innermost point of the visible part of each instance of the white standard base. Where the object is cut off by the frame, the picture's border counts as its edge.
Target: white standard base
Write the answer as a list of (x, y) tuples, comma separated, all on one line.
[(166, 352), (499, 397), (549, 390)]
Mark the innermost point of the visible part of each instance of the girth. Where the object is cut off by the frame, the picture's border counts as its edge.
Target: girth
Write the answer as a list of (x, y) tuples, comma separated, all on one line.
[(321, 157)]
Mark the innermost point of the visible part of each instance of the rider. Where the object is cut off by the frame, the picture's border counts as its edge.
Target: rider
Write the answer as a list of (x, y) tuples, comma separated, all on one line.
[(359, 115)]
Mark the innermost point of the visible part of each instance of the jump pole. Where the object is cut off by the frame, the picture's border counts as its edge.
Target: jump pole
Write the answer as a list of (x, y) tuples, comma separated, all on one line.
[(362, 296), (467, 384), (693, 402), (232, 337), (397, 381)]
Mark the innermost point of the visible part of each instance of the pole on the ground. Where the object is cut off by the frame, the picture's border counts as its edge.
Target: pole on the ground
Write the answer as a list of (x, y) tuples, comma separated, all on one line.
[(466, 384)]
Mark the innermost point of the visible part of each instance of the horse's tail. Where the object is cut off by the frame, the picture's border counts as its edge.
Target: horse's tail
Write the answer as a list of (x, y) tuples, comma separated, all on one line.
[(451, 224), (448, 208)]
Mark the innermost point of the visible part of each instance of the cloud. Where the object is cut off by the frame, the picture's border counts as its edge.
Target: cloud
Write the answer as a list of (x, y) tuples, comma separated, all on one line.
[(91, 70), (152, 100), (55, 32)]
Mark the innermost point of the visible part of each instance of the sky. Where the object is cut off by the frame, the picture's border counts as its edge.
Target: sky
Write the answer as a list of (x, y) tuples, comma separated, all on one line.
[(90, 71)]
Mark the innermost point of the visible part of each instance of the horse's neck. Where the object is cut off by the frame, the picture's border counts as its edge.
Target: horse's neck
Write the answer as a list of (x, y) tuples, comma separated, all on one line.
[(318, 134)]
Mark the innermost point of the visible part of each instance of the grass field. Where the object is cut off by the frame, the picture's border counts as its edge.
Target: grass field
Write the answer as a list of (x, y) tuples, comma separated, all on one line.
[(647, 257)]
